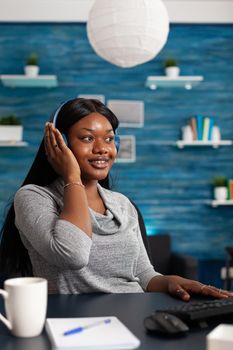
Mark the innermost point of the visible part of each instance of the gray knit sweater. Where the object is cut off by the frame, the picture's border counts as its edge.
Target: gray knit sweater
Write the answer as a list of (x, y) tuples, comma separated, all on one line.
[(114, 260)]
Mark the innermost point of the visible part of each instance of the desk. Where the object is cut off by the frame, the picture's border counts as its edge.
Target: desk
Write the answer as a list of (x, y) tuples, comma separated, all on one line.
[(129, 308)]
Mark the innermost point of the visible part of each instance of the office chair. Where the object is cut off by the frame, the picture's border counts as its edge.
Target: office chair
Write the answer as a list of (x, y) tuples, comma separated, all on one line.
[(169, 262), (143, 232), (162, 257)]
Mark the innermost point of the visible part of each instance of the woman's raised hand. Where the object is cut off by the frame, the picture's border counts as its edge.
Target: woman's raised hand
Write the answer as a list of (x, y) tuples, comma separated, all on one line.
[(59, 155)]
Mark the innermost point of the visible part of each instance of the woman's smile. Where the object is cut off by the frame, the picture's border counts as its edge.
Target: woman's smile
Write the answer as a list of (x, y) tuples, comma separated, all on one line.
[(100, 162)]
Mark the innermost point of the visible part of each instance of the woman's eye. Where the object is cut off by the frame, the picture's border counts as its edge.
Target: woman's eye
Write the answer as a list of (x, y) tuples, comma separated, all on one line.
[(87, 138), (109, 139)]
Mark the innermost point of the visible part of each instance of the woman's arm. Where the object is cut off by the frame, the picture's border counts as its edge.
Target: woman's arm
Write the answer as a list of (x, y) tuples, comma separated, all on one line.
[(183, 287), (58, 241), (63, 161)]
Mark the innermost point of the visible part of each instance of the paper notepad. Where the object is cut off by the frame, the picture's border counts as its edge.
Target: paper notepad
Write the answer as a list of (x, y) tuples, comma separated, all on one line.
[(112, 335)]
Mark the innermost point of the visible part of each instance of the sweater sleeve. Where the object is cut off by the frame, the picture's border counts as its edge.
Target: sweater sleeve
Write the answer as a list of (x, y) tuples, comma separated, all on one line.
[(58, 241)]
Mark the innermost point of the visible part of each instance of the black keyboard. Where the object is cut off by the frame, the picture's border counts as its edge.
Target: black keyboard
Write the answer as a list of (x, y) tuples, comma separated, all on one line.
[(202, 310)]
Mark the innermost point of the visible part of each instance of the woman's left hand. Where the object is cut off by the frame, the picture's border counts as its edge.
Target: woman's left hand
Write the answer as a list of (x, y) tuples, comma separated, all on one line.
[(183, 288)]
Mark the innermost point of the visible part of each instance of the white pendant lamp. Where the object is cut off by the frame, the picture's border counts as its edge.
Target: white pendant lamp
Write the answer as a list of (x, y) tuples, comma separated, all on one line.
[(128, 32)]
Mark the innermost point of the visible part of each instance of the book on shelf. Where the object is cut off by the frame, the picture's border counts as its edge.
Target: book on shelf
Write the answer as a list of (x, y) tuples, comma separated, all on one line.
[(211, 124), (199, 121), (205, 133), (193, 124), (202, 127), (230, 189)]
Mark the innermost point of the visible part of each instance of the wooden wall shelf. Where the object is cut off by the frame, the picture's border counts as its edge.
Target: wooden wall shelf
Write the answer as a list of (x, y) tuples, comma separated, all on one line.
[(182, 144), (187, 82), (24, 81), (13, 144), (215, 203)]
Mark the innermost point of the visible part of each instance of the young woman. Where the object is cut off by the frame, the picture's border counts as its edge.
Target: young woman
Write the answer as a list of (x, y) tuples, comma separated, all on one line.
[(68, 227)]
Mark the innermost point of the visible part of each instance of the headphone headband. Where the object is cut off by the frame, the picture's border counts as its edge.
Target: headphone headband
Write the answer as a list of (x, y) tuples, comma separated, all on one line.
[(57, 112)]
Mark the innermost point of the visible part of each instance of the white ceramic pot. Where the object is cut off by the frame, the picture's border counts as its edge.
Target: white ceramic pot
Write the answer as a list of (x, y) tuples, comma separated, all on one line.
[(216, 135), (220, 193), (187, 134), (31, 71), (11, 132), (172, 72)]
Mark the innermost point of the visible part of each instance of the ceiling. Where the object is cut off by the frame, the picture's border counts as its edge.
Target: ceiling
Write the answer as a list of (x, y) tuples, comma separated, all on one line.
[(182, 11)]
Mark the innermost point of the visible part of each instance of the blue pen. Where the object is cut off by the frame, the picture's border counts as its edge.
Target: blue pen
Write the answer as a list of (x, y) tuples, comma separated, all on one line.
[(81, 329)]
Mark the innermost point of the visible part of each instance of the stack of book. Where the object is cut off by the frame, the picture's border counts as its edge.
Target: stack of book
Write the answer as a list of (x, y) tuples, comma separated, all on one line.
[(202, 128)]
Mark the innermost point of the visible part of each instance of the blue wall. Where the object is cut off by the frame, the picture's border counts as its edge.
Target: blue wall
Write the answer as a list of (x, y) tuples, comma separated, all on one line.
[(171, 186)]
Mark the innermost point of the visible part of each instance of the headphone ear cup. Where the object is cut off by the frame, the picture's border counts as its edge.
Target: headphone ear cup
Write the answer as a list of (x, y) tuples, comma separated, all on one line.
[(117, 142)]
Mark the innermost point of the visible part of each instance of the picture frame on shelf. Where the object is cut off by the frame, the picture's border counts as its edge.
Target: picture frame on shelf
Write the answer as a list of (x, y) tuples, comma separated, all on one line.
[(127, 151), (99, 97), (130, 113)]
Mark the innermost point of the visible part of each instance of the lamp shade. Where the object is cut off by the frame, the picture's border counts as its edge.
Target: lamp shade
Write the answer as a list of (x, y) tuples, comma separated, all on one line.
[(127, 32)]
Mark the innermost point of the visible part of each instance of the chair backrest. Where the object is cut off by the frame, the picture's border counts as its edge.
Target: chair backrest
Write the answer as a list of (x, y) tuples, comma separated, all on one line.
[(162, 257), (229, 261), (143, 231), (160, 246)]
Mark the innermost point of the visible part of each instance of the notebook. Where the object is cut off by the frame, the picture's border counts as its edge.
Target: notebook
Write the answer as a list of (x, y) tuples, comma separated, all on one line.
[(97, 333)]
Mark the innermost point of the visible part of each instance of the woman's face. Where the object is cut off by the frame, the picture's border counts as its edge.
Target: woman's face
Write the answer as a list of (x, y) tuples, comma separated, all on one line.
[(91, 140)]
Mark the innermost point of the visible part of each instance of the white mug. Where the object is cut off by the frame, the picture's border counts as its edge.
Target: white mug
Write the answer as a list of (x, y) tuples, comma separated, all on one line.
[(25, 304)]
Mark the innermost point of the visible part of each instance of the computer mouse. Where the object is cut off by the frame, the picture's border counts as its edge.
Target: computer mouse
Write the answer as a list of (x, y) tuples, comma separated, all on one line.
[(165, 324)]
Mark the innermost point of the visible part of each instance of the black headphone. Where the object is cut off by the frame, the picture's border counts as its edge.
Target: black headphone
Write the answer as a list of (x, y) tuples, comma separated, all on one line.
[(116, 136)]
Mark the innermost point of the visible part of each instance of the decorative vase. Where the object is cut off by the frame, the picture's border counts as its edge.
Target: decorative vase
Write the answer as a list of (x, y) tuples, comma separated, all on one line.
[(172, 72), (31, 71), (220, 193), (216, 135), (187, 134)]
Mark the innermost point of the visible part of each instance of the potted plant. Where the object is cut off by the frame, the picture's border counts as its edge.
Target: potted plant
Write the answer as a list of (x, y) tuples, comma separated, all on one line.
[(171, 68), (10, 129), (220, 184), (32, 68)]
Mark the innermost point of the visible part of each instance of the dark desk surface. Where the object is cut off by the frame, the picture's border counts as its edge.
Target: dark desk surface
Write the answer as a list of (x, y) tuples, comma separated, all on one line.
[(129, 308)]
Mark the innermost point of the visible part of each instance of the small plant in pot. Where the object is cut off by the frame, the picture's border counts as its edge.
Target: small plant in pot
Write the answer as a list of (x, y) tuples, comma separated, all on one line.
[(171, 68), (10, 128), (220, 184), (32, 68), (10, 120)]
